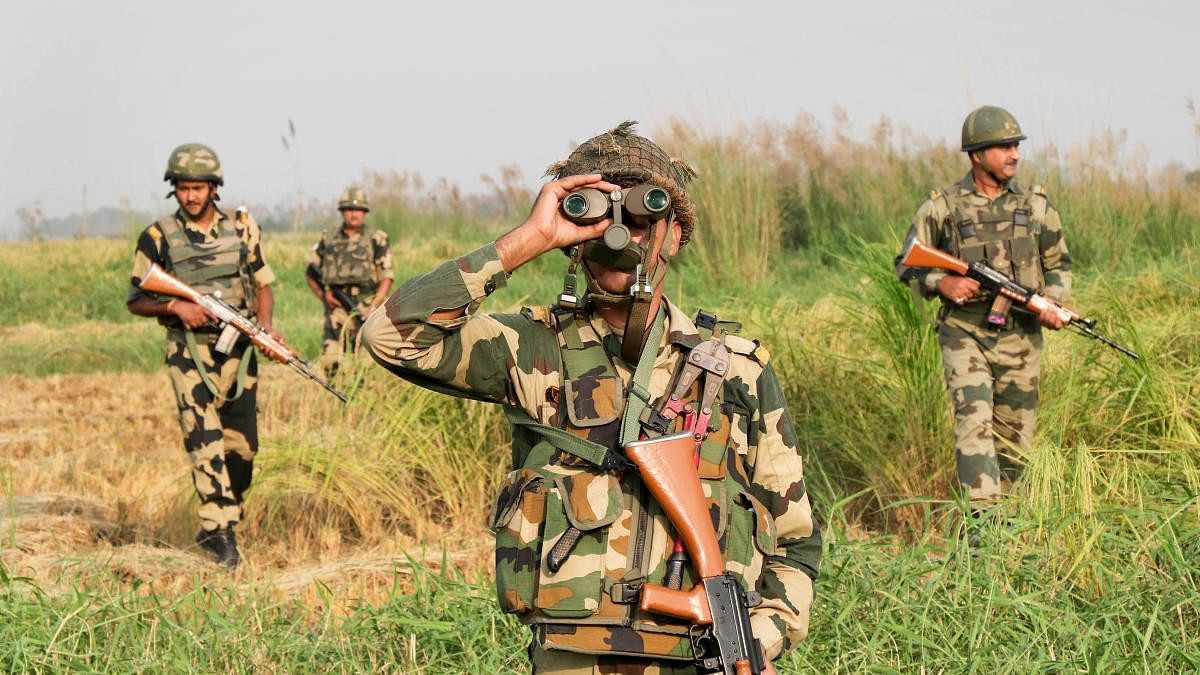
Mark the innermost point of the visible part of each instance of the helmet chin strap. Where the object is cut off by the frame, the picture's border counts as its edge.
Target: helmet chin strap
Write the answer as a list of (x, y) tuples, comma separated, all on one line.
[(642, 295)]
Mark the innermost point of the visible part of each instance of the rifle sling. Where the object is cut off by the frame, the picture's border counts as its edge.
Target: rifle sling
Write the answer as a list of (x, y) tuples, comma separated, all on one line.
[(189, 338)]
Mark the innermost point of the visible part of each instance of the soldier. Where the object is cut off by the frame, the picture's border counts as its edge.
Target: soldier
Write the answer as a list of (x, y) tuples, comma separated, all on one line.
[(214, 391), (350, 265), (575, 540), (991, 354)]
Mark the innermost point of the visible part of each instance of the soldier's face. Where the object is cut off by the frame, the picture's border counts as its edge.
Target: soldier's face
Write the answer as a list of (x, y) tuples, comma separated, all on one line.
[(618, 281), (1001, 160), (353, 217), (194, 196)]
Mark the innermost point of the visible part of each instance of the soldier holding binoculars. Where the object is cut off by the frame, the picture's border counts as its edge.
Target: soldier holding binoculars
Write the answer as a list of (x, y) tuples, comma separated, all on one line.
[(577, 536)]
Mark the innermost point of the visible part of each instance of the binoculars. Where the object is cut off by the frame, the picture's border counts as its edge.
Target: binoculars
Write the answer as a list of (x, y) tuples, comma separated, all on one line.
[(590, 205)]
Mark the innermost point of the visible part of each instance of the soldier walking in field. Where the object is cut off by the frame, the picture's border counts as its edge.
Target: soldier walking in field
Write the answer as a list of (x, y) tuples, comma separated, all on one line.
[(578, 538), (991, 351), (350, 273), (215, 384)]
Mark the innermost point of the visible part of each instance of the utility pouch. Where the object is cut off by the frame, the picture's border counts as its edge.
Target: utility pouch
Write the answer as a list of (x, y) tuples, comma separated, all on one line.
[(517, 519), (581, 504)]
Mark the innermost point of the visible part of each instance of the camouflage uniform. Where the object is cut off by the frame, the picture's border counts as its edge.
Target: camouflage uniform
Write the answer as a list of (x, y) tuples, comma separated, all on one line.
[(221, 437), (992, 375), (355, 264), (559, 377)]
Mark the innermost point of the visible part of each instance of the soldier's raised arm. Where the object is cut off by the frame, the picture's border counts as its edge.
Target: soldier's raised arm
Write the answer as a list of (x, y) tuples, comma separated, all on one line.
[(428, 332)]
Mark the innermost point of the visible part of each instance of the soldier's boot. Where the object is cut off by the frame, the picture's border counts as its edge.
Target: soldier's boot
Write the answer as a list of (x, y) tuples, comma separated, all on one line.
[(221, 544)]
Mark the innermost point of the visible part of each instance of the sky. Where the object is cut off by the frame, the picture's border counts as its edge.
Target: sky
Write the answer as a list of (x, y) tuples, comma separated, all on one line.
[(97, 94)]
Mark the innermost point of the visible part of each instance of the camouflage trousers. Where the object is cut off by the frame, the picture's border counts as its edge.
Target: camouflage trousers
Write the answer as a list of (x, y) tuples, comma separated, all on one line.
[(221, 438), (554, 662), (340, 334), (992, 380)]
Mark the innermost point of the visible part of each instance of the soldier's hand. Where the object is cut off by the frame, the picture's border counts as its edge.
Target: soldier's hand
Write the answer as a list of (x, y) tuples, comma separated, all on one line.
[(1052, 317), (192, 315), (956, 289), (291, 351), (547, 228)]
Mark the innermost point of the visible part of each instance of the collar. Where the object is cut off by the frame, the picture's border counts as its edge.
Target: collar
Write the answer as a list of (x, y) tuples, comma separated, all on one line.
[(212, 232), (343, 233), (678, 329), (967, 186)]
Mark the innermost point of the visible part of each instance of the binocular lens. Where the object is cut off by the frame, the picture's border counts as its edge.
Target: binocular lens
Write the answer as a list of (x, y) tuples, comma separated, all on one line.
[(656, 200), (575, 205)]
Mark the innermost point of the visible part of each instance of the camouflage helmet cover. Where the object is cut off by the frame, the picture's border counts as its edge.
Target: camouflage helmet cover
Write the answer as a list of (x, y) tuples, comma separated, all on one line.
[(987, 126), (620, 153), (194, 161), (354, 197)]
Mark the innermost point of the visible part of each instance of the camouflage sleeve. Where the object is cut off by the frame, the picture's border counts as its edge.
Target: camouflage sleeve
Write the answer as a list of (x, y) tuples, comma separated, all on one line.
[(383, 256), (149, 251), (468, 356), (263, 274), (1056, 260), (926, 228), (777, 475)]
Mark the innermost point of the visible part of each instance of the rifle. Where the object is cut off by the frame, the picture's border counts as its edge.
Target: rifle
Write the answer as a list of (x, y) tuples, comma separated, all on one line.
[(919, 255), (159, 281), (718, 605), (347, 302)]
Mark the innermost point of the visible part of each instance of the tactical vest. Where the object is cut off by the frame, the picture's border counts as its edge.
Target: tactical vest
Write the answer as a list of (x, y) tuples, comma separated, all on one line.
[(219, 266), (1006, 239), (588, 604), (347, 261)]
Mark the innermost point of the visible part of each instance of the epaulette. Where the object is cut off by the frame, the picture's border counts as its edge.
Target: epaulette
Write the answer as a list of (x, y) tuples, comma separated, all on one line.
[(933, 195), (539, 313), (242, 215), (155, 232), (1038, 190), (750, 348)]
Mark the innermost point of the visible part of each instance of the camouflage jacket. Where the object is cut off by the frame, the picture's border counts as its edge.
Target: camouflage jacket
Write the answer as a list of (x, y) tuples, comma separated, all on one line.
[(152, 248), (751, 470), (364, 259), (1019, 233)]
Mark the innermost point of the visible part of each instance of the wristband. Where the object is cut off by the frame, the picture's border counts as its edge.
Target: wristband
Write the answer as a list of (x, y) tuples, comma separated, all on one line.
[(171, 304)]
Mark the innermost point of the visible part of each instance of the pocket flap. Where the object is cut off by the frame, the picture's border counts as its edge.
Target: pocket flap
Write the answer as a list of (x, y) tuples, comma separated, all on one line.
[(590, 499), (764, 525), (515, 484), (594, 401)]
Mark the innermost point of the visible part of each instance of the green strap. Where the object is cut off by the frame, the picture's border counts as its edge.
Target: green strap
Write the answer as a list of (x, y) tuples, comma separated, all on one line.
[(639, 395), (564, 440), (190, 339)]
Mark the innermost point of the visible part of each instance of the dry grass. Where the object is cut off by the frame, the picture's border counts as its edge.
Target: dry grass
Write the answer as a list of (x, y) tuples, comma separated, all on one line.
[(99, 493)]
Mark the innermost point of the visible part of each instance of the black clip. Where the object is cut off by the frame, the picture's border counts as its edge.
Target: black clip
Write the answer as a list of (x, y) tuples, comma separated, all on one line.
[(625, 592)]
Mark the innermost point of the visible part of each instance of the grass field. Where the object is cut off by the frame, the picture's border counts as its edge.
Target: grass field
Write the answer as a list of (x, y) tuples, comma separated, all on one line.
[(365, 545)]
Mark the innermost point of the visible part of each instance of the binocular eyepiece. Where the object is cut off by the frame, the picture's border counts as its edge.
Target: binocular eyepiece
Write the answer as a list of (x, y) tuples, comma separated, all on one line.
[(589, 205)]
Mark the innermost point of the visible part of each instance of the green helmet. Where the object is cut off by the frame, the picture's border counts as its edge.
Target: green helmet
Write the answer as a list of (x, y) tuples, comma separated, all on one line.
[(987, 126), (620, 154), (354, 198), (194, 161)]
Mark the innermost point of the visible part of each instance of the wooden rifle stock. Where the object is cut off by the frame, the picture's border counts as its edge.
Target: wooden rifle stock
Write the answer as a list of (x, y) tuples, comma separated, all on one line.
[(158, 281), (668, 469)]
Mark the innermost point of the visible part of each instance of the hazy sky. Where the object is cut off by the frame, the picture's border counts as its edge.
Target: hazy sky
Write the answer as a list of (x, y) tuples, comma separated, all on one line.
[(98, 93)]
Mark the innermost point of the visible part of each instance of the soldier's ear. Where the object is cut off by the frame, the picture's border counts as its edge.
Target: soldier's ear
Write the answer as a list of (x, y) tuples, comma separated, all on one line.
[(675, 232)]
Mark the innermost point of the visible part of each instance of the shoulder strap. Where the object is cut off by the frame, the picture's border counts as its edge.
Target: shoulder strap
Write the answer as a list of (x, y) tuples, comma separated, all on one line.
[(639, 394), (580, 447)]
